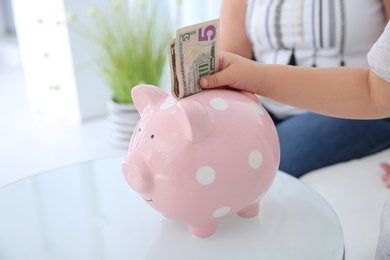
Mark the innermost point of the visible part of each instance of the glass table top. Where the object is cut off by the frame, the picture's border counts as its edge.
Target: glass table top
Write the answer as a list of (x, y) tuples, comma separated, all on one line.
[(87, 211)]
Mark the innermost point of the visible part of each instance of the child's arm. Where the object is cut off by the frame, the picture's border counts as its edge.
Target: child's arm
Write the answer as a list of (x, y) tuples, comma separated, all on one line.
[(349, 92)]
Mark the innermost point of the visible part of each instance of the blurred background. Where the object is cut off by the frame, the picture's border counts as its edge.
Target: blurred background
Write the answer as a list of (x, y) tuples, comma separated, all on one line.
[(53, 100)]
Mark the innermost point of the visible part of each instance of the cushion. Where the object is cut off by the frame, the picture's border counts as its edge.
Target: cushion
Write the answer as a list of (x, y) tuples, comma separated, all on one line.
[(357, 193)]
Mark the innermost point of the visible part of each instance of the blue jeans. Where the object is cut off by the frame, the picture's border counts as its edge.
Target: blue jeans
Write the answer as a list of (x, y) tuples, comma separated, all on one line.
[(311, 141)]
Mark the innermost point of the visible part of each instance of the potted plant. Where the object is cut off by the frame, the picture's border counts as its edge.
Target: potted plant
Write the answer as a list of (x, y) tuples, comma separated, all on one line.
[(132, 47)]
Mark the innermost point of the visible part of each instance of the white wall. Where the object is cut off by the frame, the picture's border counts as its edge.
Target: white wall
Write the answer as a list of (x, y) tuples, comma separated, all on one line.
[(197, 11), (60, 76)]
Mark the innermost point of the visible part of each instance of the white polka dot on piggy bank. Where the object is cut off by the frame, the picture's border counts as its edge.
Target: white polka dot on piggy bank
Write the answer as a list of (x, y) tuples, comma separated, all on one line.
[(201, 158)]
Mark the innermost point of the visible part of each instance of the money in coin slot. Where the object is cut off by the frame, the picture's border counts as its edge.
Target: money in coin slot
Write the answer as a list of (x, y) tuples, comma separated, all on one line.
[(194, 53)]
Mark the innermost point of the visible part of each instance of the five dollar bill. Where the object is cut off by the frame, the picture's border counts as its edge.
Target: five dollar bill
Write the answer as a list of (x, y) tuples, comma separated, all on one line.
[(194, 53)]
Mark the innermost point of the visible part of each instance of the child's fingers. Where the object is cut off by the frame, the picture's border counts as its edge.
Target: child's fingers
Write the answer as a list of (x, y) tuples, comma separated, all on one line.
[(215, 80)]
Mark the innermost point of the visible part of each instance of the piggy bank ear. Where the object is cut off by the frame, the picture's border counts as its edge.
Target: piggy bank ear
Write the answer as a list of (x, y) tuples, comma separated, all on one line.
[(195, 120), (146, 95)]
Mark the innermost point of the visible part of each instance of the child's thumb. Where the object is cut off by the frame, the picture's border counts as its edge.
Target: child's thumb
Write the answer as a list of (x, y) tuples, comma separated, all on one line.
[(212, 81)]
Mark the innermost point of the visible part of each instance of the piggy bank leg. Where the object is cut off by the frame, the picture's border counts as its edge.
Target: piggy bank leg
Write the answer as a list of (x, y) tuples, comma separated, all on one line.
[(203, 231), (250, 211)]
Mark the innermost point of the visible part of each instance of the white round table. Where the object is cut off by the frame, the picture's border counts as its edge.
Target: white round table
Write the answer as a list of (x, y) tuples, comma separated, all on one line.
[(87, 211)]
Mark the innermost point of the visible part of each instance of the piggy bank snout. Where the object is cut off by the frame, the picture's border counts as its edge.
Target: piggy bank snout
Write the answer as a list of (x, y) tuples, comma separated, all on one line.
[(137, 173)]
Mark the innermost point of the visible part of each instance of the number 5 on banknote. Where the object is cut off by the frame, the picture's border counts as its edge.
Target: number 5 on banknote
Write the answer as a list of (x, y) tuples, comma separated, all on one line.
[(203, 34)]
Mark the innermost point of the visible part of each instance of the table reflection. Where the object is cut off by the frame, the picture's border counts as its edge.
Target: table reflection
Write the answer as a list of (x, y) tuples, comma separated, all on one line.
[(87, 211)]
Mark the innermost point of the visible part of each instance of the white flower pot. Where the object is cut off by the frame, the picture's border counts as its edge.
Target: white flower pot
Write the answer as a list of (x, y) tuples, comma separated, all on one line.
[(122, 120)]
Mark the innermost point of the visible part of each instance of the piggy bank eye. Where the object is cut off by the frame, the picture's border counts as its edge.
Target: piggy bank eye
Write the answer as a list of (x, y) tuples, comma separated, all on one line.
[(152, 136), (139, 129)]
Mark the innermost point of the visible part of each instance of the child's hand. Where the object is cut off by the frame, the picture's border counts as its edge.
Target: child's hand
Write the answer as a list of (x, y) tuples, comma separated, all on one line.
[(386, 176), (235, 72)]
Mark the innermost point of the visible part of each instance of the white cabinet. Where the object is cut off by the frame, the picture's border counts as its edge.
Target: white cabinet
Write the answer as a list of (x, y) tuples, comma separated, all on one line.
[(60, 75)]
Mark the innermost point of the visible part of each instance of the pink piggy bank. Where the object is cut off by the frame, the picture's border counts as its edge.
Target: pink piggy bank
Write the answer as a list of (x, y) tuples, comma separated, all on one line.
[(201, 158)]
